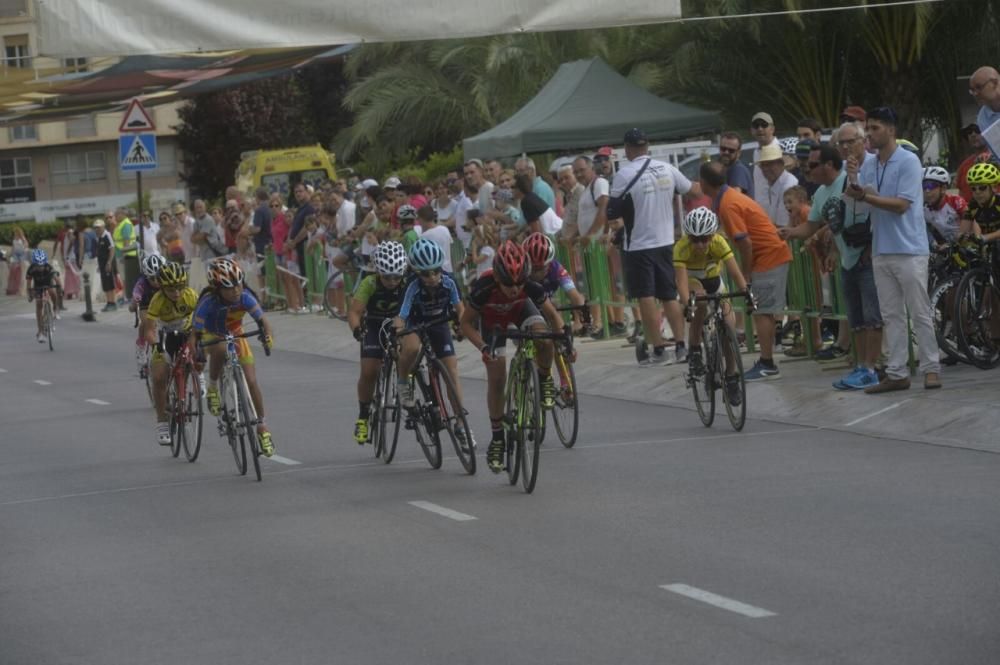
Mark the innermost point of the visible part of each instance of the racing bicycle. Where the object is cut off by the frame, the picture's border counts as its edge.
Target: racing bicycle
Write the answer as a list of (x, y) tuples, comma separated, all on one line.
[(184, 404)]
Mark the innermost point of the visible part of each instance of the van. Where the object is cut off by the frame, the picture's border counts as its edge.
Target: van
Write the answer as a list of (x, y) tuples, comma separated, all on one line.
[(280, 170)]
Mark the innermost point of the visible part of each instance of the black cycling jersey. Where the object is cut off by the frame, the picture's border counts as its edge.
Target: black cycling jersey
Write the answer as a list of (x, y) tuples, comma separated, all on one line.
[(41, 275), (987, 216), (380, 301)]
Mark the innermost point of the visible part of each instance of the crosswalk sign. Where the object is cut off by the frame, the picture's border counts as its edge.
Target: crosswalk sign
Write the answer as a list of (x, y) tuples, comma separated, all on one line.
[(137, 152)]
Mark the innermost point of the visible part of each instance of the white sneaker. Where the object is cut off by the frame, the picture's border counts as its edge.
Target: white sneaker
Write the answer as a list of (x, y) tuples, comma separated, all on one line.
[(41, 338), (163, 434), (201, 384), (58, 318)]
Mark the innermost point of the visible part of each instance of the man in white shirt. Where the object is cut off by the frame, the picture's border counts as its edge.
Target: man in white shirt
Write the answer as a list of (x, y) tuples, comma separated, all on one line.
[(438, 233), (762, 129), (346, 213), (777, 180), (591, 216), (649, 239), (984, 85)]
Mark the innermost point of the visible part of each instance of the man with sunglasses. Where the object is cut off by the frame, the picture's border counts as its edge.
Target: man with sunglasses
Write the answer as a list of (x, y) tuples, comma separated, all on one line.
[(762, 129), (984, 86), (738, 174)]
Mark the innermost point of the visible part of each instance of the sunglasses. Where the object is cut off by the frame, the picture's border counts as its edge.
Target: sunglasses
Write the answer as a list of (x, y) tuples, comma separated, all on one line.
[(391, 278), (700, 240), (429, 273), (760, 124), (981, 188), (930, 184), (727, 151)]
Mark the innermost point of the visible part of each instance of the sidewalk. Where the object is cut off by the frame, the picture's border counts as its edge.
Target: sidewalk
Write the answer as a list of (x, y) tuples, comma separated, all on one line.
[(962, 414)]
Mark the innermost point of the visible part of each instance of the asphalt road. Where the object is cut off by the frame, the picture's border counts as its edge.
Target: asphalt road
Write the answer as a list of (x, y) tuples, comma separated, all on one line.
[(819, 547)]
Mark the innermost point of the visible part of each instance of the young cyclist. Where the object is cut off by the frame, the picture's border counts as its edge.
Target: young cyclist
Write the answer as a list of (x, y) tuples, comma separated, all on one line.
[(983, 215), (430, 295), (142, 294), (699, 257), (221, 308), (376, 300), (548, 272), (500, 298), (40, 276), (943, 212), (407, 217), (170, 310)]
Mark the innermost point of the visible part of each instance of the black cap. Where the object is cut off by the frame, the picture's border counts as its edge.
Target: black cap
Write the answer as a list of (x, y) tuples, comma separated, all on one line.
[(885, 114), (804, 147), (635, 136)]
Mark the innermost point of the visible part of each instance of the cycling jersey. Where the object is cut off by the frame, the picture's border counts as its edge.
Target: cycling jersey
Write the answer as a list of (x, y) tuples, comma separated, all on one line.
[(143, 291), (702, 265), (987, 216), (217, 317), (173, 315), (943, 221), (380, 301), (497, 308), (556, 278), (421, 304), (42, 276)]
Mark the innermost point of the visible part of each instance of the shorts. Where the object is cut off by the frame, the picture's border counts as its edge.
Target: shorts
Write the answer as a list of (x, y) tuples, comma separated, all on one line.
[(173, 341), (39, 291), (861, 297), (371, 344), (108, 277), (710, 285), (527, 316), (769, 289), (440, 337), (649, 273), (242, 345)]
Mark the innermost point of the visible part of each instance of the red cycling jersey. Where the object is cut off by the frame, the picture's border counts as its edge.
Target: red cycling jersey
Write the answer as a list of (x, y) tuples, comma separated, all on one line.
[(497, 308)]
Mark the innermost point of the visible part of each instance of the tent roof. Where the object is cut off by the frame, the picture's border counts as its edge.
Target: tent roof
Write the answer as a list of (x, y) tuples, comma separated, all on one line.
[(584, 104)]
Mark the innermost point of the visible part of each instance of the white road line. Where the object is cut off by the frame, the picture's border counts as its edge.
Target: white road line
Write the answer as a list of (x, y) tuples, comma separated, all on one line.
[(99, 402), (2, 370), (719, 601), (43, 383), (283, 460), (441, 510), (877, 413)]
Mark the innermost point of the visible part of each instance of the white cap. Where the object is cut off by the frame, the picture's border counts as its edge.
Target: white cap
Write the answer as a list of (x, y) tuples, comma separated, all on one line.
[(393, 182), (365, 184)]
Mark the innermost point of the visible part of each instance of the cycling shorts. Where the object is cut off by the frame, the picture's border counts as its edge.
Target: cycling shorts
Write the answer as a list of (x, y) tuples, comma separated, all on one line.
[(371, 343), (710, 285), (242, 346), (173, 342), (441, 341), (527, 315)]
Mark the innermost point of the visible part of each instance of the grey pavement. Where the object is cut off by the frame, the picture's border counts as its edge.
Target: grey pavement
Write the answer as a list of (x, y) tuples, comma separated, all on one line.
[(857, 548)]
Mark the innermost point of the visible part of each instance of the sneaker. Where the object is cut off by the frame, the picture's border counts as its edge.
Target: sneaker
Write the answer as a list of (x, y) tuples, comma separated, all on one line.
[(797, 350), (733, 393), (202, 384), (860, 379), (830, 353), (495, 454), (56, 314), (121, 302), (636, 332), (214, 402), (163, 433), (361, 431), (548, 392), (655, 358), (110, 307), (40, 337), (696, 364), (599, 334), (619, 329), (760, 371), (406, 397), (888, 384), (680, 354), (840, 384), (266, 447)]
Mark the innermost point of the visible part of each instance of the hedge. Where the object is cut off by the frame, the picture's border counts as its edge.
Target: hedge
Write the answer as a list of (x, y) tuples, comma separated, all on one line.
[(33, 231)]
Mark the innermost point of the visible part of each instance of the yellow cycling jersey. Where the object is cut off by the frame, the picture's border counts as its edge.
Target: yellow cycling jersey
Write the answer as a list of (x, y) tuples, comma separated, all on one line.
[(698, 264), (170, 314)]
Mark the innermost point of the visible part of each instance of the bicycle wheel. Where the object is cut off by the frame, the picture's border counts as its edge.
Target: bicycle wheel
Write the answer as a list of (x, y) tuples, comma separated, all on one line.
[(389, 414), (726, 339), (512, 434), (973, 311), (452, 415), (944, 325), (228, 422), (47, 319), (566, 414), (327, 303), (248, 424), (173, 412), (530, 408), (192, 415), (703, 386), (424, 417)]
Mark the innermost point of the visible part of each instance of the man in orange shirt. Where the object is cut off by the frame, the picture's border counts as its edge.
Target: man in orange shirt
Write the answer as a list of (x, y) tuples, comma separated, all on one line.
[(764, 256)]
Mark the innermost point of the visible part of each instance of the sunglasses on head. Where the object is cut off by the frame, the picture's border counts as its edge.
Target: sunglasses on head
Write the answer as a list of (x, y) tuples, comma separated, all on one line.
[(760, 124), (429, 273)]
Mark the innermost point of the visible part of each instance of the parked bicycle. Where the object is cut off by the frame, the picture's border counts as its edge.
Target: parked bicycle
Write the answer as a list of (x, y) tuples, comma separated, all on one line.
[(977, 312)]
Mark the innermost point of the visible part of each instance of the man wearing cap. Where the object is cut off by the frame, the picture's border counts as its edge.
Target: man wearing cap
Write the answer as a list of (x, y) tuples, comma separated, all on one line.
[(649, 239), (602, 162), (892, 186), (526, 166), (762, 129), (853, 114), (984, 86), (801, 171), (771, 197), (980, 153), (737, 173), (106, 263)]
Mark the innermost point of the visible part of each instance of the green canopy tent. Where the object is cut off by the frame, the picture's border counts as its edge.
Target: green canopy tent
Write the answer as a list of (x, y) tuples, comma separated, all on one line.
[(586, 104)]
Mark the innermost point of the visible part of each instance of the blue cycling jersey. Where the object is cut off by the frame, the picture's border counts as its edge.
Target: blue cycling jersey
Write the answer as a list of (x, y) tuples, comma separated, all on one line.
[(215, 316), (422, 304)]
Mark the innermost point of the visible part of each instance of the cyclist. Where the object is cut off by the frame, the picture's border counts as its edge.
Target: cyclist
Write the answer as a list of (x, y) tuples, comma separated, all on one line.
[(548, 272), (502, 297), (699, 257), (142, 293), (430, 295), (407, 217), (983, 215), (221, 308), (943, 212), (40, 276), (376, 300), (170, 310)]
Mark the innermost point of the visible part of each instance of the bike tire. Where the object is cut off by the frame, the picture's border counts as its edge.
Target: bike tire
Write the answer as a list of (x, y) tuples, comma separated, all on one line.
[(737, 413), (531, 427), (228, 418), (176, 428), (193, 416), (423, 418), (49, 317), (945, 329), (972, 315), (248, 422), (327, 305), (703, 387), (390, 412), (514, 447), (374, 419), (566, 413), (452, 416)]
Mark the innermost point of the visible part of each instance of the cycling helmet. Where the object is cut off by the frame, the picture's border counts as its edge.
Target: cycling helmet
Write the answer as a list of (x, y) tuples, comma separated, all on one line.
[(390, 258), (152, 264), (39, 257), (426, 255), (937, 174), (908, 146), (406, 212), (540, 249), (224, 273), (511, 265), (700, 222), (173, 274), (788, 145), (983, 174)]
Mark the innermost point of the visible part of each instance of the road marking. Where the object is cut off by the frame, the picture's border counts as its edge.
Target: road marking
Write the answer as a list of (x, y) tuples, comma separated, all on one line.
[(43, 383), (732, 435), (2, 370), (441, 510), (283, 460), (719, 601), (99, 402), (877, 413)]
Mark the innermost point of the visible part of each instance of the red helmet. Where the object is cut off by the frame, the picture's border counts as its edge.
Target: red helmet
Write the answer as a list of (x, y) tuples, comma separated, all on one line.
[(510, 265), (540, 249)]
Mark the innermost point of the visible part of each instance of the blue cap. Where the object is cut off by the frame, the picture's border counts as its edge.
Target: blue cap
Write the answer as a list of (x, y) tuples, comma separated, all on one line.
[(635, 136)]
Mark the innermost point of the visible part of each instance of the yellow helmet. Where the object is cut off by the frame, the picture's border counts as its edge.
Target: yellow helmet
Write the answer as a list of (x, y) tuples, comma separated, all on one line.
[(983, 174), (173, 274)]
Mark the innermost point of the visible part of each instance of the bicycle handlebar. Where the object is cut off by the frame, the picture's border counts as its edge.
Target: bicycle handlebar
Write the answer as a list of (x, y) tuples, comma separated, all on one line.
[(584, 310), (225, 338), (420, 327), (718, 296), (565, 335)]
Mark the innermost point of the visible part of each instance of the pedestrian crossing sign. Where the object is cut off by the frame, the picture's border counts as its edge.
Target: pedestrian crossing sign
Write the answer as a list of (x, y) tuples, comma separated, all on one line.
[(137, 152)]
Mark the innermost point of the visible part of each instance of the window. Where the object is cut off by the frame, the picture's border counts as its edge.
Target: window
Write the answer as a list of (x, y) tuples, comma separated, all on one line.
[(81, 127), (13, 8), (15, 173), (75, 65), (23, 133), (76, 167), (16, 52)]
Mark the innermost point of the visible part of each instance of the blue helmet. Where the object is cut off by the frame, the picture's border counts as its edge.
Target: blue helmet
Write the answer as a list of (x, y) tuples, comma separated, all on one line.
[(39, 257), (426, 255)]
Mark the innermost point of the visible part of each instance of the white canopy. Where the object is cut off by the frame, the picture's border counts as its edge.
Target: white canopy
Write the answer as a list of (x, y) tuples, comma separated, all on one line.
[(71, 28)]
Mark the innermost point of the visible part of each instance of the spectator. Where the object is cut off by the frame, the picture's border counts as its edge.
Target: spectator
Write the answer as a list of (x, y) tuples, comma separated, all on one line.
[(414, 190), (537, 213), (737, 173), (474, 176), (483, 248), (346, 214), (185, 224), (762, 129), (892, 186), (298, 234), (571, 210), (809, 129), (233, 221), (980, 153), (439, 234), (18, 255), (526, 166), (649, 240), (126, 249), (444, 205), (770, 196), (107, 264), (466, 210), (984, 86), (147, 235), (87, 249), (207, 235), (853, 114), (259, 230), (763, 256), (64, 249), (493, 170), (801, 171), (602, 162), (169, 238)]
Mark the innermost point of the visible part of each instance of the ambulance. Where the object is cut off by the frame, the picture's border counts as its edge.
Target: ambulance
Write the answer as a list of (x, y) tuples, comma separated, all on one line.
[(280, 170)]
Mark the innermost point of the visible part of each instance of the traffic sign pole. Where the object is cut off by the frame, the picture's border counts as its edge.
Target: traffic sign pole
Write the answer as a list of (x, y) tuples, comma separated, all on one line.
[(138, 207)]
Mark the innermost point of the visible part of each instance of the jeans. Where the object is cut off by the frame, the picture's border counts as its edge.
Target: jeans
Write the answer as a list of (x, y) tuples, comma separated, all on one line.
[(901, 280)]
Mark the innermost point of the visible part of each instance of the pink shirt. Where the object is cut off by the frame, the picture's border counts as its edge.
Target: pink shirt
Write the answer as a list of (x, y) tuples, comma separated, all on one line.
[(279, 232)]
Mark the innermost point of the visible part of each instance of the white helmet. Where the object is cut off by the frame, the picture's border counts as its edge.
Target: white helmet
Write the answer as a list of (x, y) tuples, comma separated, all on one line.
[(937, 174), (151, 265), (788, 145), (700, 222), (389, 258)]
